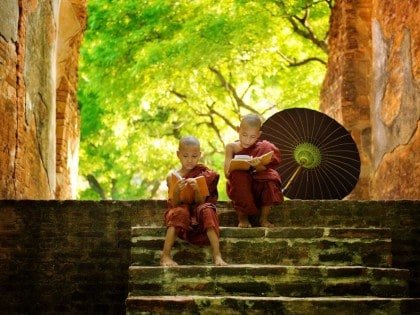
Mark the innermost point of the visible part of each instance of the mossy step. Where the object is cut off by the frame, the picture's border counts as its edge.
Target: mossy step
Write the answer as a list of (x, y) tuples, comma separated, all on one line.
[(269, 280), (281, 232), (303, 213), (235, 305), (283, 246)]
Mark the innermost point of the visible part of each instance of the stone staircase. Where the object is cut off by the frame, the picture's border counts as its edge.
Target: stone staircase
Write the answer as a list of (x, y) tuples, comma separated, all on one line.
[(317, 266)]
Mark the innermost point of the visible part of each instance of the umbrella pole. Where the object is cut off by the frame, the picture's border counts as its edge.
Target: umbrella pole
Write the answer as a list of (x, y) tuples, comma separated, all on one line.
[(292, 178)]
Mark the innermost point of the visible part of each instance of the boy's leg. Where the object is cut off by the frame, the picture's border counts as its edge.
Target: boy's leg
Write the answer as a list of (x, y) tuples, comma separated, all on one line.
[(239, 190), (165, 258), (177, 220), (243, 220), (215, 246), (269, 192), (265, 210)]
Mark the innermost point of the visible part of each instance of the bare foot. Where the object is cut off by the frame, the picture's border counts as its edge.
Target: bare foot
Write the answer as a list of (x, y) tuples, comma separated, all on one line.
[(167, 261), (266, 224), (218, 261), (243, 221)]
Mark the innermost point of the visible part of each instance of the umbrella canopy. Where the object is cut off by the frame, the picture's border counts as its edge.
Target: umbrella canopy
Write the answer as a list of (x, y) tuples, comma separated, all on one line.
[(320, 159)]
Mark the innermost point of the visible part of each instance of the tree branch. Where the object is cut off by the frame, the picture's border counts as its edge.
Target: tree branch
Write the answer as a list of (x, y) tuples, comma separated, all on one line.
[(94, 184), (155, 187), (301, 26), (183, 97), (307, 32), (232, 91), (294, 63), (223, 117)]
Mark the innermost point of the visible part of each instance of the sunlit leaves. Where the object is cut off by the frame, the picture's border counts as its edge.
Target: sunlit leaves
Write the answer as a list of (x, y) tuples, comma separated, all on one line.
[(152, 71)]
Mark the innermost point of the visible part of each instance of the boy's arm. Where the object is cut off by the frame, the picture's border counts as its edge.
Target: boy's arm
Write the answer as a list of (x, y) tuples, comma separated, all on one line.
[(198, 198), (229, 152)]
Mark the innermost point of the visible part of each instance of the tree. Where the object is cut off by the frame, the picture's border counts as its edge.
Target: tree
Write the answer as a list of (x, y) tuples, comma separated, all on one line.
[(154, 70)]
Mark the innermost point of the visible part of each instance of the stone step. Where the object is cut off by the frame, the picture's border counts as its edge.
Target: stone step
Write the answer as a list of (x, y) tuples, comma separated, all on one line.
[(307, 213), (268, 280), (283, 246), (235, 305)]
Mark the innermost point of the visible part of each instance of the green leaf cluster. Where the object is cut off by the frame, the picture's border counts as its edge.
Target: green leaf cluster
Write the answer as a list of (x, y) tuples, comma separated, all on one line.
[(152, 71)]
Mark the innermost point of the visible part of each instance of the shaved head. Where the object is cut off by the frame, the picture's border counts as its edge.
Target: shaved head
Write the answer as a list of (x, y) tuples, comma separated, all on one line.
[(251, 120), (188, 141)]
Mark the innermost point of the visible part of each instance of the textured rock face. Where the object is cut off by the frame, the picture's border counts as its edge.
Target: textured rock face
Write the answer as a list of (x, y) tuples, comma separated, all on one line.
[(396, 100), (372, 87), (39, 126), (8, 95)]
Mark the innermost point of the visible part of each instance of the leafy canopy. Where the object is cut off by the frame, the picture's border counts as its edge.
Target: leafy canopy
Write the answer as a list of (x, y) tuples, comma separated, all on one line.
[(152, 71)]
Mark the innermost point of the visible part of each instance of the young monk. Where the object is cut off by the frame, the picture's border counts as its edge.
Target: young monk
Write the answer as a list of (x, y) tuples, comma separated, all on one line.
[(194, 220), (254, 191)]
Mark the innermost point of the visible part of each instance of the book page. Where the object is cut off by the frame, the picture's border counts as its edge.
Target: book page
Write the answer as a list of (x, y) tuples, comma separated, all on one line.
[(187, 195), (242, 157), (240, 162), (266, 158), (239, 165)]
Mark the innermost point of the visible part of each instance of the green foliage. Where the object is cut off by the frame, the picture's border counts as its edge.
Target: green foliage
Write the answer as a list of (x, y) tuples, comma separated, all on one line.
[(152, 71)]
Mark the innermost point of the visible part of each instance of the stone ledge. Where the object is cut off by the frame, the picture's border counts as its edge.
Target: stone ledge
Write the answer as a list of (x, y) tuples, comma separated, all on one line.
[(269, 305)]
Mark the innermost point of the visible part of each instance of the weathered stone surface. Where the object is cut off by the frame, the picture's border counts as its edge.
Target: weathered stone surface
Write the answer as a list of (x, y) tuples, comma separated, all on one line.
[(268, 305), (72, 20), (372, 87), (8, 118), (268, 280), (283, 246), (9, 21), (399, 170), (34, 148)]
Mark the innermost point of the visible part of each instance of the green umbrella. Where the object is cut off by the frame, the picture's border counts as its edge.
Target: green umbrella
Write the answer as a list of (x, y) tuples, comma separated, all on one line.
[(320, 159)]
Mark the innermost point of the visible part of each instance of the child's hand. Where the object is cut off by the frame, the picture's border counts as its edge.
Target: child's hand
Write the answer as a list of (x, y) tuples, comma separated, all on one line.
[(257, 165), (182, 183), (192, 182), (255, 162)]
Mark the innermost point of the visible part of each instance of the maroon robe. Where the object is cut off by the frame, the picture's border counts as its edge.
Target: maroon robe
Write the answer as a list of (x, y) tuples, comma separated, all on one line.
[(191, 220), (250, 190)]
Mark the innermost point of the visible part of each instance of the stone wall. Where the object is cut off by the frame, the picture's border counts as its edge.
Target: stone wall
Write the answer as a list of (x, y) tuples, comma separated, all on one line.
[(372, 88), (72, 257), (395, 109), (8, 96), (32, 46)]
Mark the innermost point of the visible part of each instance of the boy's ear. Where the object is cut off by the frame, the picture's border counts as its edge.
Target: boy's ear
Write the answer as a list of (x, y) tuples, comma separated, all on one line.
[(259, 134), (237, 128)]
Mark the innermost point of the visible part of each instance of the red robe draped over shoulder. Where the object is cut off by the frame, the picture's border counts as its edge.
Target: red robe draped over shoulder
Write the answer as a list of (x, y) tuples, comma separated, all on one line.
[(191, 220), (250, 190)]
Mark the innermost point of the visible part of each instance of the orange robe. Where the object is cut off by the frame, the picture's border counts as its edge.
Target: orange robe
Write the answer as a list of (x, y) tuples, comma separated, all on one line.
[(190, 220), (250, 190)]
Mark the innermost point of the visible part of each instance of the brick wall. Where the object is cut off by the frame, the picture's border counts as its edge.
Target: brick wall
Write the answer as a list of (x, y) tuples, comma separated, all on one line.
[(39, 43), (72, 257), (395, 106), (65, 257), (346, 89), (72, 22), (372, 87)]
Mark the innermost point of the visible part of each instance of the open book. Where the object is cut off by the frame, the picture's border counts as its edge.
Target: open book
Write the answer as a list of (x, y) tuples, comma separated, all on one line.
[(187, 195), (241, 162)]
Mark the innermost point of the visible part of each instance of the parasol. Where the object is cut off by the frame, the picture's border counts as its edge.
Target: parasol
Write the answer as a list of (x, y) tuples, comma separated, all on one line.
[(320, 159)]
